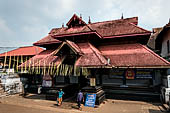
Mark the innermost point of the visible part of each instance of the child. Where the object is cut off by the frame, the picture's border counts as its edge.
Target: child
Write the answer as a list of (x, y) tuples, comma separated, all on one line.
[(60, 97)]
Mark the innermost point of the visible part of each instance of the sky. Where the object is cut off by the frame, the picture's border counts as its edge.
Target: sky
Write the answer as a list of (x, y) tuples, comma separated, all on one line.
[(23, 22)]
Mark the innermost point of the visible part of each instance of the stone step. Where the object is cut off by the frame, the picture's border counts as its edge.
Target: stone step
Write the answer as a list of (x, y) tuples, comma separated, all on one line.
[(2, 92)]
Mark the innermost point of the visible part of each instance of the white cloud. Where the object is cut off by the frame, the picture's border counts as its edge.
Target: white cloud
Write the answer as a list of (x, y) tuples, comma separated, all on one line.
[(151, 13), (56, 8), (34, 33), (4, 29), (24, 22)]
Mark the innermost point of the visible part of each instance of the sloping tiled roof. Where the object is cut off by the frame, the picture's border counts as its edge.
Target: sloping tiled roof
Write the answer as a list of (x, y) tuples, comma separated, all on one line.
[(23, 51), (121, 56), (65, 31), (105, 29), (47, 40), (44, 59), (132, 55), (49, 57), (35, 59), (91, 56), (74, 46), (117, 27)]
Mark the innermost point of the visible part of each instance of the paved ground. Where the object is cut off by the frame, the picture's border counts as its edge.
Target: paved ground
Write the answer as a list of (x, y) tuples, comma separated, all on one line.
[(38, 104), (7, 108)]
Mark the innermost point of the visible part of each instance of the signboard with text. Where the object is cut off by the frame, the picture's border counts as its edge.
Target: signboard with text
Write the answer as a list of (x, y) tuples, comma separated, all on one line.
[(144, 73), (116, 73), (90, 100)]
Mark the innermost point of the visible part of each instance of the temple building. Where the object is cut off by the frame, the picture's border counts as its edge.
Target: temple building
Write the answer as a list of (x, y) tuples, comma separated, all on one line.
[(111, 54)]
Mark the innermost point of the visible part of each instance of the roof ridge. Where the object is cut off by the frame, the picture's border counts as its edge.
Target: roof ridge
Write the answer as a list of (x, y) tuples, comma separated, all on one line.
[(44, 40), (112, 20), (90, 27), (96, 53), (94, 31), (139, 27), (25, 46), (73, 47), (153, 53), (97, 22)]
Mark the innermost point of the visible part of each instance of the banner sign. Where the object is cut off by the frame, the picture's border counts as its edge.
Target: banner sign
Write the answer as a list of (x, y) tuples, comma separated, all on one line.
[(131, 73), (90, 100), (116, 73), (144, 73)]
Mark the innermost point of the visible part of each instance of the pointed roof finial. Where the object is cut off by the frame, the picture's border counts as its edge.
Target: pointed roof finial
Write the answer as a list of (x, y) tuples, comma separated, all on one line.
[(80, 16), (62, 25), (89, 20), (122, 16)]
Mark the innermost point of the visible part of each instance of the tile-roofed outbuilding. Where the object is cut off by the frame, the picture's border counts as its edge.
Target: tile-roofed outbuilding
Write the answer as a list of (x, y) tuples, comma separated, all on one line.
[(23, 51)]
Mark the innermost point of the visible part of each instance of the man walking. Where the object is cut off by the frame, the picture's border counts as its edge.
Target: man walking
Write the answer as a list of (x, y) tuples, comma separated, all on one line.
[(80, 99)]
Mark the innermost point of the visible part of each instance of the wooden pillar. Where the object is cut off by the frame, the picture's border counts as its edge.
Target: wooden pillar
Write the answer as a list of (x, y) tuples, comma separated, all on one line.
[(100, 77)]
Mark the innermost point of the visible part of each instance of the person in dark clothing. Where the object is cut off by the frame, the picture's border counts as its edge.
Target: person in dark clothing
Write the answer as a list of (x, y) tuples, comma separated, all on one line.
[(80, 99)]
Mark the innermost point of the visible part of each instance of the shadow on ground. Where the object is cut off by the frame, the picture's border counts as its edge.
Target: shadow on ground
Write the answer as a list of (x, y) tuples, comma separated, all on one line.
[(68, 103), (35, 96), (153, 99)]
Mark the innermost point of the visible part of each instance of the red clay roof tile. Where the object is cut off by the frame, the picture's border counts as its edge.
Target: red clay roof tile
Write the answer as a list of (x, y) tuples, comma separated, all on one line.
[(23, 51), (120, 27), (44, 59), (132, 55), (106, 28), (46, 40), (91, 57)]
